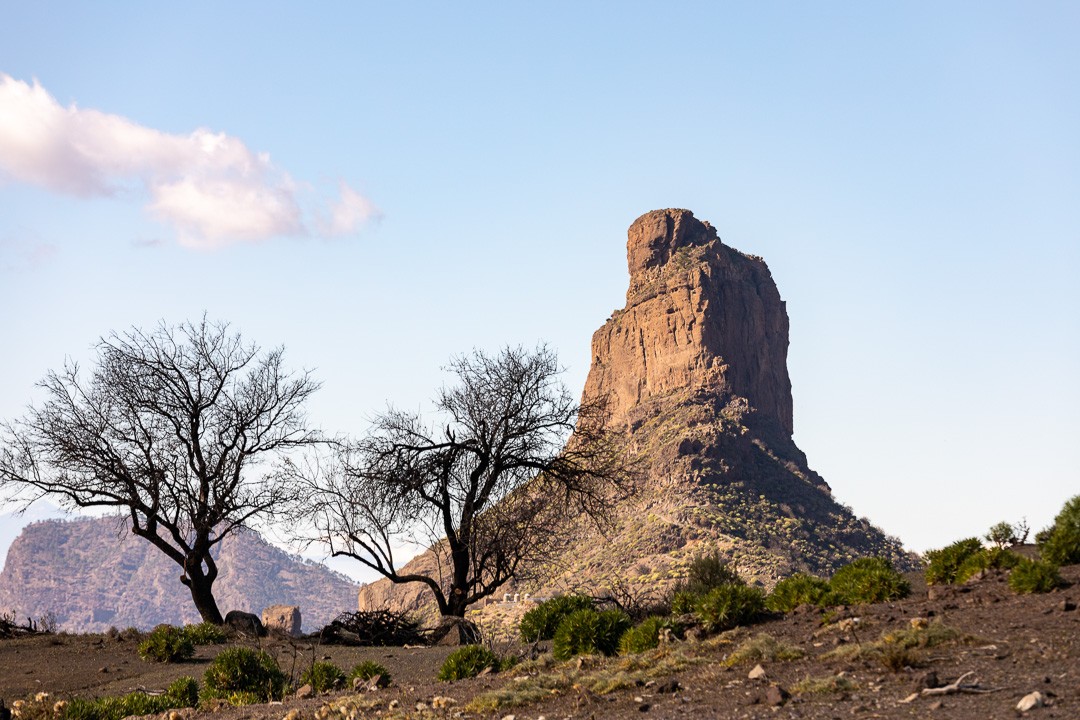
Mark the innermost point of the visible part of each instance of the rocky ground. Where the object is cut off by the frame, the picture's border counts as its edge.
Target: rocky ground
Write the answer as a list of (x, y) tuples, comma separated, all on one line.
[(993, 646)]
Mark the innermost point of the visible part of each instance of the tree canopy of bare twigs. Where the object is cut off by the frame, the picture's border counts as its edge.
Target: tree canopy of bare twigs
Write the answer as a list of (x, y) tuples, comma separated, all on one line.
[(163, 430), (487, 487)]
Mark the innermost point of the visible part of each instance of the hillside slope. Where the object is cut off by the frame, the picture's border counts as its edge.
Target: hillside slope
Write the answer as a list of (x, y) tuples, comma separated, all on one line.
[(92, 574)]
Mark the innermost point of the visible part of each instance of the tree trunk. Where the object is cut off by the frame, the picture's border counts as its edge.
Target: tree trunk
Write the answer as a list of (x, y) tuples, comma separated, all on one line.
[(201, 585), (204, 600)]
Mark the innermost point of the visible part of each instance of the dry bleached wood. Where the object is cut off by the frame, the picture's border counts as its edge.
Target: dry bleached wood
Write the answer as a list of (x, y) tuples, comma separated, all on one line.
[(953, 688), (958, 686)]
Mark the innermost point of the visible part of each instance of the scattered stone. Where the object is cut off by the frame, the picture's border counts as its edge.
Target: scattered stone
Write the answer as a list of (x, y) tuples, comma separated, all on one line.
[(1066, 605), (305, 691), (103, 670), (644, 707), (775, 696), (758, 673), (937, 705), (1031, 701), (919, 623), (669, 686), (293, 714), (509, 717), (284, 619), (440, 702)]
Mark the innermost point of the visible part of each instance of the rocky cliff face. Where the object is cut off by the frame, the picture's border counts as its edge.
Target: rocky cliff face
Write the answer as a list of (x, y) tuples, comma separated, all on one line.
[(92, 574), (695, 366)]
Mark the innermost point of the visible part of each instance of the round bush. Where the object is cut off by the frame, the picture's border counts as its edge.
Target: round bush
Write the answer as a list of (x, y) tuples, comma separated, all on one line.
[(205, 633), (992, 559), (1034, 576), (323, 677), (239, 674), (1061, 544), (729, 606), (541, 622), (943, 564), (184, 692), (867, 580), (588, 632), (368, 669), (466, 662), (799, 589), (644, 636), (166, 643), (683, 602)]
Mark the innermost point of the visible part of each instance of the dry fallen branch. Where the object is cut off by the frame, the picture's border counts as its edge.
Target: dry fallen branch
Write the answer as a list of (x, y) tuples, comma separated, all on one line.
[(953, 688)]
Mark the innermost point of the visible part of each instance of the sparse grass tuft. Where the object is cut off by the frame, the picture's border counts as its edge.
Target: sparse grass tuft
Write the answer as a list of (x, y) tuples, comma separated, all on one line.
[(762, 648), (588, 632), (728, 606), (944, 564), (368, 669), (205, 633), (542, 621), (824, 685), (323, 677)]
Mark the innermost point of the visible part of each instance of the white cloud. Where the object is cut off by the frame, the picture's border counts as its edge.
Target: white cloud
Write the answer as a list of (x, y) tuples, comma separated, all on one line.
[(210, 186), (348, 213)]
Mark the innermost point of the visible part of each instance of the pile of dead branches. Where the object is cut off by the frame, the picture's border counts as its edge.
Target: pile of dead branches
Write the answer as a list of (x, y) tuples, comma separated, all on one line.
[(10, 628), (372, 627)]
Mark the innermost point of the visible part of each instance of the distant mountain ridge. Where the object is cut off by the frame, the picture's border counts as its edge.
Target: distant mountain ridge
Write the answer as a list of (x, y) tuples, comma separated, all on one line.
[(92, 573)]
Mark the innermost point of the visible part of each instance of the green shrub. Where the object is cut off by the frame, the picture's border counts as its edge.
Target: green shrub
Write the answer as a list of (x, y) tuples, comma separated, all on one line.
[(323, 677), (183, 693), (466, 662), (205, 633), (682, 602), (241, 676), (993, 559), (368, 669), (705, 573), (1060, 544), (542, 621), (728, 606), (799, 589), (867, 580), (1034, 576), (588, 632), (945, 563), (1004, 534), (166, 643), (645, 636)]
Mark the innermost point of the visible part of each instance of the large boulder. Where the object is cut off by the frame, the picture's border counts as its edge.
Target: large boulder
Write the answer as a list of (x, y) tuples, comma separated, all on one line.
[(284, 619)]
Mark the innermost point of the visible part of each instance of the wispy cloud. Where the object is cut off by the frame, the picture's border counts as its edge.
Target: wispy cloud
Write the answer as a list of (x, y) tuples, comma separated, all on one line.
[(209, 186), (25, 252)]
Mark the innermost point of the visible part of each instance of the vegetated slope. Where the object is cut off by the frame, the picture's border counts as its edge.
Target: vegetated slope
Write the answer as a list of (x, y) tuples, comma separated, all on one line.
[(695, 366), (92, 574)]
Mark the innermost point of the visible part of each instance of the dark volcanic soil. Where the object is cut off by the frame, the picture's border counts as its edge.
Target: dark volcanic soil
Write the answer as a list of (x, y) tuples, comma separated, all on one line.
[(1012, 645)]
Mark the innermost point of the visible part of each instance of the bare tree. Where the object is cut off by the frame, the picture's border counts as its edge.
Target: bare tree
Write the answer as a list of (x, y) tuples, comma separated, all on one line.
[(487, 489), (165, 429)]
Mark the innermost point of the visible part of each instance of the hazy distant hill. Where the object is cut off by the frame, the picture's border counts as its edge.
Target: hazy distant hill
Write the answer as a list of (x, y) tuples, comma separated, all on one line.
[(92, 574)]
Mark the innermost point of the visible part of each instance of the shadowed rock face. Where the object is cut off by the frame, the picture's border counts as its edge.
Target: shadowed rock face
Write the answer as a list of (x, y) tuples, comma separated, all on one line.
[(695, 367)]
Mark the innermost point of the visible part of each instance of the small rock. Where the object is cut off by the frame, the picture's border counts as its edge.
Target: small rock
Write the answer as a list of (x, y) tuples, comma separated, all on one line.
[(926, 680), (103, 670), (305, 691), (1066, 605), (937, 705), (509, 717), (1031, 701), (644, 707), (758, 673), (775, 696), (293, 714), (670, 686)]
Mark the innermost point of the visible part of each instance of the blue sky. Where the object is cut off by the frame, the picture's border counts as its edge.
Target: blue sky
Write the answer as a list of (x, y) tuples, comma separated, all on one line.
[(410, 181)]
